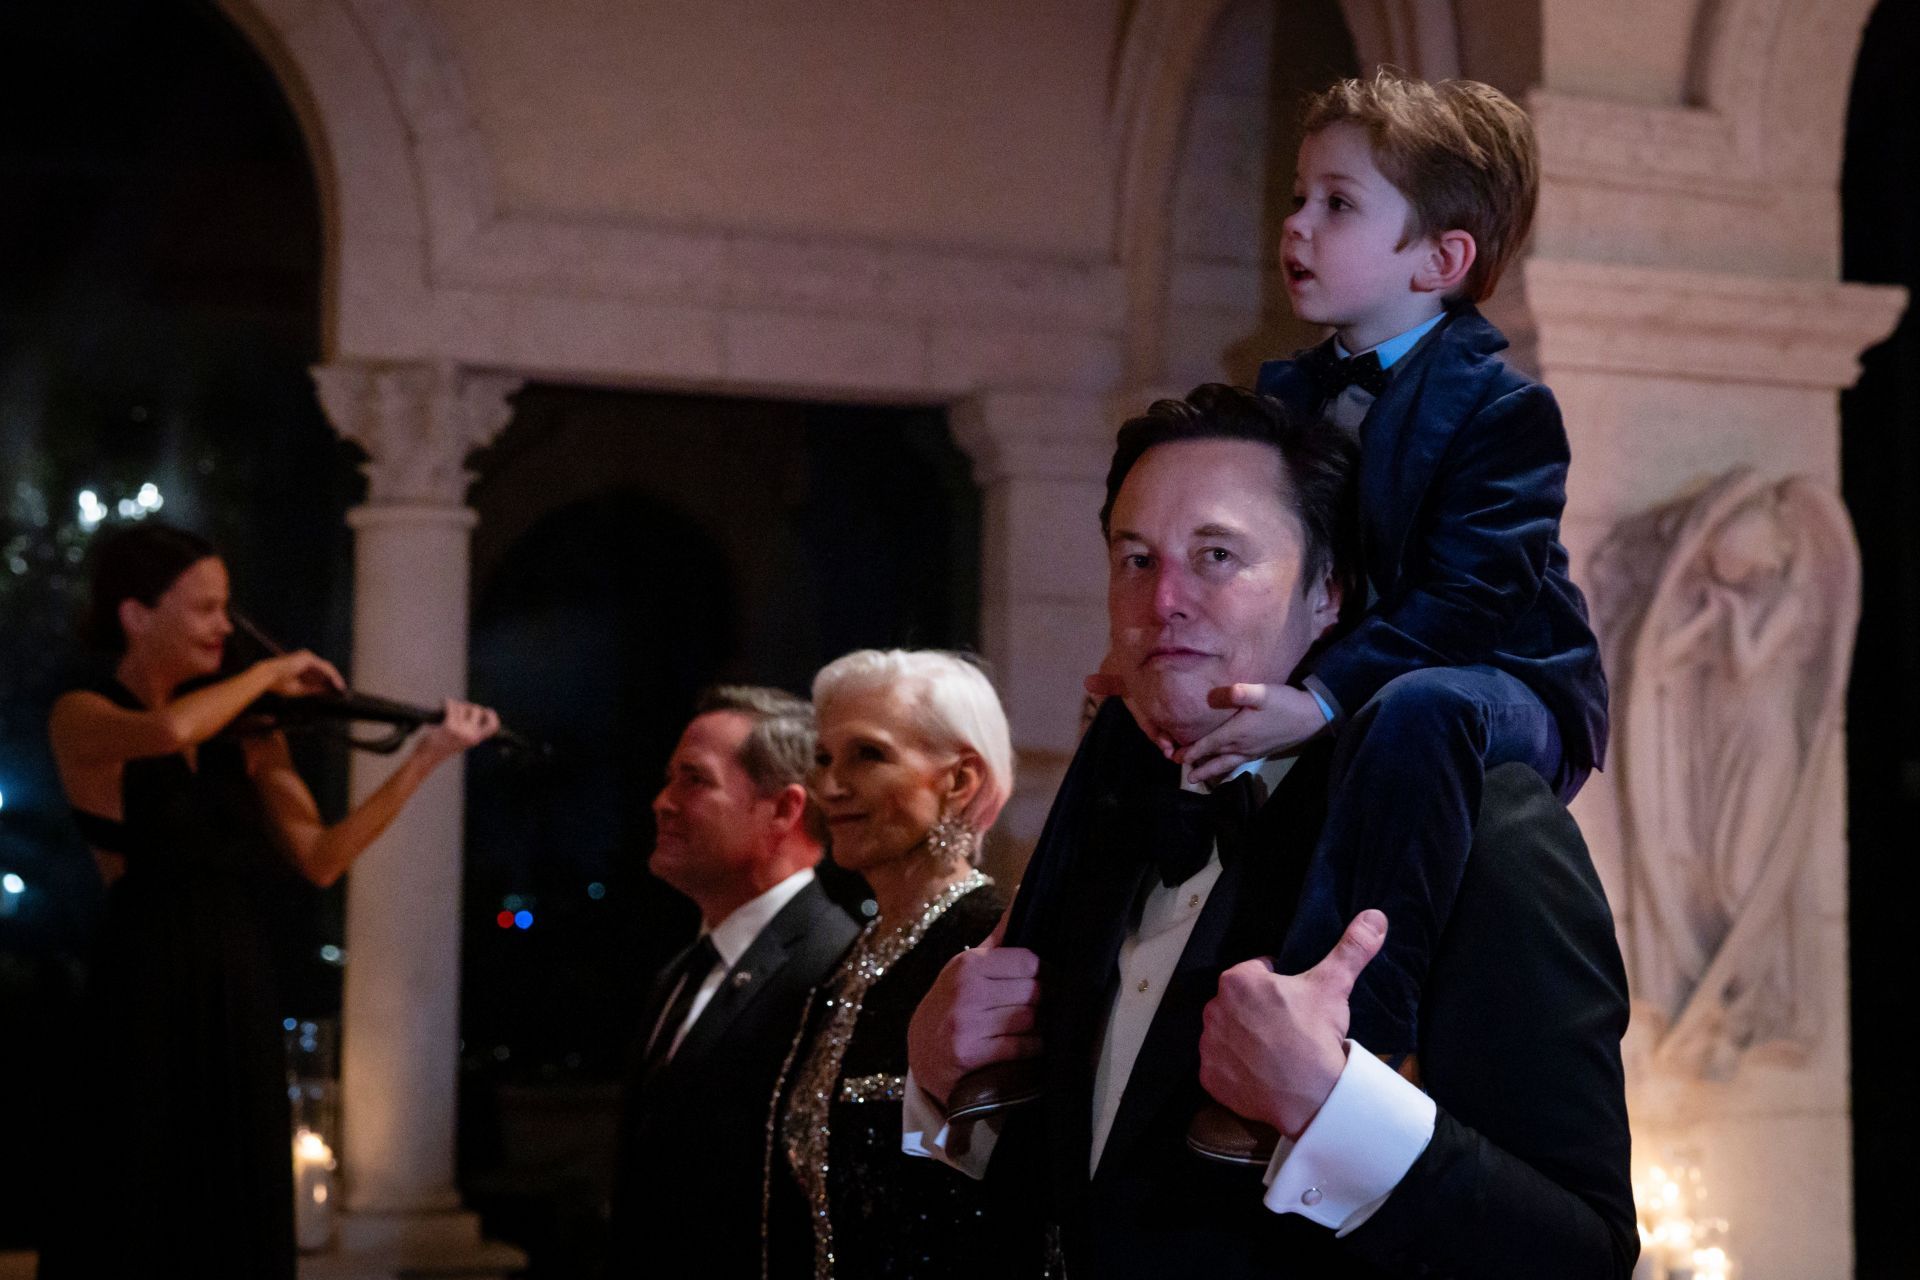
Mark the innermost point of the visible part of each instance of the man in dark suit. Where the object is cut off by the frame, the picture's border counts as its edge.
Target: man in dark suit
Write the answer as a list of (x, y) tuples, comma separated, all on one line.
[(1152, 910), (738, 835)]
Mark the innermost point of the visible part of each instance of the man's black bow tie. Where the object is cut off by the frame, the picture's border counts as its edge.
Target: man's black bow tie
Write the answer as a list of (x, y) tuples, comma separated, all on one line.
[(1362, 371), (1180, 827)]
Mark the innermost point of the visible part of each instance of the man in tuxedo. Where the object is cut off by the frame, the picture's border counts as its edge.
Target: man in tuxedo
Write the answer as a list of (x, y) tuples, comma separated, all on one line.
[(738, 834), (1142, 981)]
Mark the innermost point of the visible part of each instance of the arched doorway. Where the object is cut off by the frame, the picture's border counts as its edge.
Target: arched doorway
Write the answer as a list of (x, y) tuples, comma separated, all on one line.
[(160, 285), (1880, 475), (632, 549), (1226, 309)]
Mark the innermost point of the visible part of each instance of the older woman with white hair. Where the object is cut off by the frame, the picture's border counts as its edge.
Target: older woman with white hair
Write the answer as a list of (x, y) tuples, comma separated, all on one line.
[(914, 764)]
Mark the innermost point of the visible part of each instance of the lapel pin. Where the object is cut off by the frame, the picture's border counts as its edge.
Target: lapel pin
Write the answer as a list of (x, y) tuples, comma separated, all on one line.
[(741, 979)]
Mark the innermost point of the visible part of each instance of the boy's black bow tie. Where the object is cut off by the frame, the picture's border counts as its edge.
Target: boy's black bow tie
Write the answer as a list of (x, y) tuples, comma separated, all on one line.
[(1363, 371), (1180, 827)]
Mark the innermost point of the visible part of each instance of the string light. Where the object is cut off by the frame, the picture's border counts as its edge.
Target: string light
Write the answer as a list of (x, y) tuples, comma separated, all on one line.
[(92, 512)]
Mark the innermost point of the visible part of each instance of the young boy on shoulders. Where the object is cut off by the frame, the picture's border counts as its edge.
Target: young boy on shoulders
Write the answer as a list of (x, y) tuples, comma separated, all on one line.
[(1474, 649)]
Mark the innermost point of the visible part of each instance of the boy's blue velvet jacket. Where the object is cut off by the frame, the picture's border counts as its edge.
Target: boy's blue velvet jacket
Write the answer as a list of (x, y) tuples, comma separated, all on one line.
[(1463, 476)]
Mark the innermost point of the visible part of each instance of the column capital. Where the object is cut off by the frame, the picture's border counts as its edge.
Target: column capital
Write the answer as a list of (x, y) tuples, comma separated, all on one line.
[(418, 421), (1033, 435)]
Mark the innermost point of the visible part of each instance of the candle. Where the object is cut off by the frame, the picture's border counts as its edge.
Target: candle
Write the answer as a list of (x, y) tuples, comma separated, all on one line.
[(1676, 1243), (312, 1191)]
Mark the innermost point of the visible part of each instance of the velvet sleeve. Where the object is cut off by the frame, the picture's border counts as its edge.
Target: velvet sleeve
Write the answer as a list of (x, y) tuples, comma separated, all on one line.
[(1477, 554)]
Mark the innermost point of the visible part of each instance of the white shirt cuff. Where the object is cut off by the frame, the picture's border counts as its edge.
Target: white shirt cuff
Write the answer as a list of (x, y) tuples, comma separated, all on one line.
[(924, 1131), (1370, 1130)]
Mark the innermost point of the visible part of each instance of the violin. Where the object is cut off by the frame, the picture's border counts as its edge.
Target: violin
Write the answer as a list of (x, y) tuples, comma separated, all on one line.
[(338, 711)]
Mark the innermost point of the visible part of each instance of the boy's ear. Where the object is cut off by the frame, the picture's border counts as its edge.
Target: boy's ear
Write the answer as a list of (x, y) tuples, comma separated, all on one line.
[(1450, 255)]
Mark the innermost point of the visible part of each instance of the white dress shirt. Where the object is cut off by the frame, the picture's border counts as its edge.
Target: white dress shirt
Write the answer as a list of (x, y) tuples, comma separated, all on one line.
[(1368, 1133), (731, 938)]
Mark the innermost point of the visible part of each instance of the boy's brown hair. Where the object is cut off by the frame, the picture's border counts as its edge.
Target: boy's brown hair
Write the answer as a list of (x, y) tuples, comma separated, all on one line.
[(1461, 152)]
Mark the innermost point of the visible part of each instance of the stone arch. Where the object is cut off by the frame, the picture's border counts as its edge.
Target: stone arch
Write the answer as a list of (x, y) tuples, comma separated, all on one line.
[(1783, 67), (1733, 43), (1161, 50), (401, 169)]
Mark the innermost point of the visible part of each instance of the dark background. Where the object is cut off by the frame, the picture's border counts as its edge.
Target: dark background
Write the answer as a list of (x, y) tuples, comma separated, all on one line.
[(1880, 469)]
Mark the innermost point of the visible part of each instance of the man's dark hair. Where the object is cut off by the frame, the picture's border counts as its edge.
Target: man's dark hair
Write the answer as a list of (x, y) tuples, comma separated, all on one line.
[(778, 749), (1318, 462)]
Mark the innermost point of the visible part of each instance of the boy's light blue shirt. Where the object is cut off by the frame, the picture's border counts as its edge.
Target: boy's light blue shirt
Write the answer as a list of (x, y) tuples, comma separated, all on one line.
[(1395, 347), (1386, 352)]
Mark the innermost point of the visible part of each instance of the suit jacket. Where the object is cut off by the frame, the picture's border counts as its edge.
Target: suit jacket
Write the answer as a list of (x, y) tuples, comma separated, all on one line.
[(1463, 476), (693, 1132), (1520, 1048)]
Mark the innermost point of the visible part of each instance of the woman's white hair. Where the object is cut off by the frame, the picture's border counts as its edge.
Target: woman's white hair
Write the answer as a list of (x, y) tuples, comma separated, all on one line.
[(952, 705)]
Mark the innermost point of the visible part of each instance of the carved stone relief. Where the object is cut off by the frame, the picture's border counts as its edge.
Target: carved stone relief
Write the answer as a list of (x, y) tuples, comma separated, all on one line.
[(1728, 618)]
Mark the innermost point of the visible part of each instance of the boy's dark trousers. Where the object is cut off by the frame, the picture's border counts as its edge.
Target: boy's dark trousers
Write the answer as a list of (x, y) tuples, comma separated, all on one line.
[(1404, 791)]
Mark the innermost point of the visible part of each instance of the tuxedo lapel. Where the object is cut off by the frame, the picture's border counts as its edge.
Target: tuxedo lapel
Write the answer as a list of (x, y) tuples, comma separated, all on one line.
[(1294, 381), (1405, 434), (1081, 978), (744, 984), (1074, 908)]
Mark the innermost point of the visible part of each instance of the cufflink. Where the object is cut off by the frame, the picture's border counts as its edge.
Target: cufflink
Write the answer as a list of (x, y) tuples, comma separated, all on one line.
[(1311, 1197)]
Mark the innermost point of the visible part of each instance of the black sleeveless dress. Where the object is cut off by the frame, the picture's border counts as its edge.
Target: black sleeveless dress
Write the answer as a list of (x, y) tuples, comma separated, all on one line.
[(182, 1164)]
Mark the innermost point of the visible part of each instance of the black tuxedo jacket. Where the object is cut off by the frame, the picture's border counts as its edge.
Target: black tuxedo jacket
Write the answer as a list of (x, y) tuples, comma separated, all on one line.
[(1463, 476), (1524, 1009), (693, 1132)]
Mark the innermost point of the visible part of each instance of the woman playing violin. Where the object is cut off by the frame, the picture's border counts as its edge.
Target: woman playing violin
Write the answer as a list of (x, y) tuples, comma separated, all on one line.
[(183, 1164)]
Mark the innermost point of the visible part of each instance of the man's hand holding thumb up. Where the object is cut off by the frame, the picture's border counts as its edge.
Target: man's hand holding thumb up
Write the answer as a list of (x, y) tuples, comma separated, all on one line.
[(1273, 1044)]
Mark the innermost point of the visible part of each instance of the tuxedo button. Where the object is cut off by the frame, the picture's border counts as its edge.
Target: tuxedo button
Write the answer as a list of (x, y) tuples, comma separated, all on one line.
[(1143, 985), (1311, 1196)]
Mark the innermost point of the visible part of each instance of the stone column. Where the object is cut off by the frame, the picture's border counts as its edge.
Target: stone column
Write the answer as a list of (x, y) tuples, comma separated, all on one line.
[(1040, 460), (400, 1037), (1687, 313)]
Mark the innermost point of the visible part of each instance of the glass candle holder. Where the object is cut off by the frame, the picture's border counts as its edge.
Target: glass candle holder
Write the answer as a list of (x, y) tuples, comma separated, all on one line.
[(312, 1094)]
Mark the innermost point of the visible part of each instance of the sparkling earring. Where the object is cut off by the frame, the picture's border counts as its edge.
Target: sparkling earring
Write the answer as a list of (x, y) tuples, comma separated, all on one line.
[(950, 840)]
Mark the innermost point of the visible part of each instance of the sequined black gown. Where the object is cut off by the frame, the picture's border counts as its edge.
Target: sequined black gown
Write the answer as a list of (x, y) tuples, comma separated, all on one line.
[(848, 1203), (181, 1163)]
